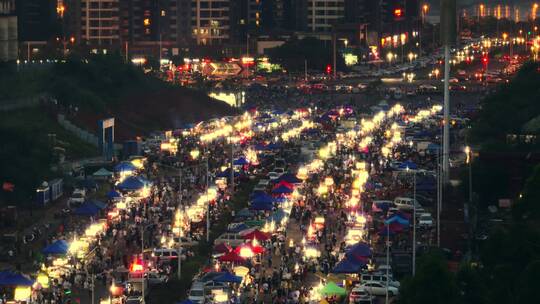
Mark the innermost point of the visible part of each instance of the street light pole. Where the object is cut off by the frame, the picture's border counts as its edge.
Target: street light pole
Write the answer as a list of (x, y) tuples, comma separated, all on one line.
[(208, 207), (179, 270), (414, 225), (387, 258)]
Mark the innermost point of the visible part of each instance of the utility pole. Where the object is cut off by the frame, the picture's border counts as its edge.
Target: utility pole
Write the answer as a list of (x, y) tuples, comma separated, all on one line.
[(208, 202), (232, 165), (448, 35), (414, 226), (179, 270), (305, 70), (334, 38)]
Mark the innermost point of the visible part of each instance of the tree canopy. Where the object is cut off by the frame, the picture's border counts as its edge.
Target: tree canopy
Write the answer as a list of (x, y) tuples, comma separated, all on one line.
[(293, 54)]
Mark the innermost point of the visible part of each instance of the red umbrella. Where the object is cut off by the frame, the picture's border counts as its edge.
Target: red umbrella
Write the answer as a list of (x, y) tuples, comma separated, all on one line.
[(232, 257), (256, 234), (256, 249), (222, 248)]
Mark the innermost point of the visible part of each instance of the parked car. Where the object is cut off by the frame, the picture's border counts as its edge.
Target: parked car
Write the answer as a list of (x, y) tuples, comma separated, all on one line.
[(155, 278), (77, 198), (273, 175), (378, 277), (406, 203), (232, 239), (379, 289), (360, 295), (425, 220), (196, 292)]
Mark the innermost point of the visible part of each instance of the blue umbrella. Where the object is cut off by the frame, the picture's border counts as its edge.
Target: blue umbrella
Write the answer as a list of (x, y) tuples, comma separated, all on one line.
[(348, 266), (58, 247), (131, 183), (408, 165), (261, 205), (113, 194), (260, 147), (124, 167), (228, 278), (240, 161), (227, 173), (186, 302), (282, 190), (87, 209), (9, 278)]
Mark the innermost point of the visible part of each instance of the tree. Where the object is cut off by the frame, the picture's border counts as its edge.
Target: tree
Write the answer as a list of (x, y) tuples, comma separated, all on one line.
[(292, 54), (433, 283)]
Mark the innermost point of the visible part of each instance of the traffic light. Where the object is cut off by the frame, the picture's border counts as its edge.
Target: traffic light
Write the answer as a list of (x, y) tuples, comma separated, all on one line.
[(328, 69), (398, 13)]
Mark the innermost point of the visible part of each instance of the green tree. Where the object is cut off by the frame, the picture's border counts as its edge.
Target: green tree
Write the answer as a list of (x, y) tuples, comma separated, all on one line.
[(433, 283), (292, 54)]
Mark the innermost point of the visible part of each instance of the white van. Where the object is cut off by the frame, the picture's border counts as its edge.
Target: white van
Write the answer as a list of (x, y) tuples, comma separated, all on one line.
[(406, 203), (378, 278), (232, 239), (196, 293), (165, 253)]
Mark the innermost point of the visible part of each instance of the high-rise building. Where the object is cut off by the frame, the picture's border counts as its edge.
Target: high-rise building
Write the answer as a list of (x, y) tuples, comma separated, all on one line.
[(100, 23), (323, 14), (37, 19), (8, 31), (210, 21)]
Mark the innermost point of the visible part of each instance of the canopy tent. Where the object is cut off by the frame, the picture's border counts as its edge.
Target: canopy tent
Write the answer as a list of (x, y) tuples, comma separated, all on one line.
[(261, 205), (260, 147), (227, 173), (273, 146), (88, 184), (348, 266), (241, 161), (131, 183), (254, 223), (228, 278), (290, 178), (331, 289), (125, 167), (102, 173), (284, 183), (231, 257), (244, 213), (237, 228), (277, 216), (262, 198), (256, 234), (256, 249), (99, 204), (87, 209), (407, 165), (222, 248), (359, 250), (57, 247), (113, 194), (282, 190), (391, 229), (10, 278), (396, 218), (433, 147)]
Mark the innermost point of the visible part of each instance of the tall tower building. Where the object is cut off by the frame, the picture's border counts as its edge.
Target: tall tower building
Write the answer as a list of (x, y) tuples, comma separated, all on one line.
[(100, 23), (323, 14), (8, 31), (210, 21)]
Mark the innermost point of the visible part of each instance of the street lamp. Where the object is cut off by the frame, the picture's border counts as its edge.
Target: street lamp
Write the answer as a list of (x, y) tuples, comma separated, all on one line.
[(414, 222), (390, 56), (466, 215)]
